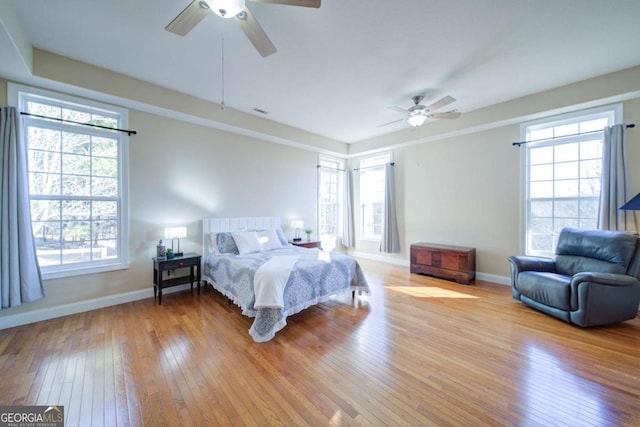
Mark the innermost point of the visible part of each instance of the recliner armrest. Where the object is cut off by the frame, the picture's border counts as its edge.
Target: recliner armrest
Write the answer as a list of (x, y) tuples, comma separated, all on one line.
[(531, 263), (609, 279), (603, 298)]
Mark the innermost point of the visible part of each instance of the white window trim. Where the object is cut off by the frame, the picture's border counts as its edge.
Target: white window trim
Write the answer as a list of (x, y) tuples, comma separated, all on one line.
[(13, 96), (524, 167)]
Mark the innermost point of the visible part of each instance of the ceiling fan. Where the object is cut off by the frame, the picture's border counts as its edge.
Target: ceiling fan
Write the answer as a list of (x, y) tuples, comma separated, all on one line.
[(418, 113), (236, 9)]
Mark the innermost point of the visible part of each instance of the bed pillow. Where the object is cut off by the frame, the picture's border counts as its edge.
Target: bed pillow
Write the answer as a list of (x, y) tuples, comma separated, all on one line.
[(247, 242), (282, 237), (269, 239), (212, 243), (226, 243)]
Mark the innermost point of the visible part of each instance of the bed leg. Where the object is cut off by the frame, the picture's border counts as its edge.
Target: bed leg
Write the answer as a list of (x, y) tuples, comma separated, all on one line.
[(353, 294)]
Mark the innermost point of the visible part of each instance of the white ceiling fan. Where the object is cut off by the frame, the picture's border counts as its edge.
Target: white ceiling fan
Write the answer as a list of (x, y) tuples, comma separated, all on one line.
[(418, 113), (236, 9)]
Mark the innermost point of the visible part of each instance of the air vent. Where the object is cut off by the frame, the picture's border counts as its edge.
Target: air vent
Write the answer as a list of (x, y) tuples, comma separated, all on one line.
[(258, 110)]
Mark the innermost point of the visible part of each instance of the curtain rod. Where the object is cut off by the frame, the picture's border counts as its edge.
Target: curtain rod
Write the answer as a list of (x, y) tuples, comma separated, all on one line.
[(329, 167), (369, 167), (129, 132), (629, 126)]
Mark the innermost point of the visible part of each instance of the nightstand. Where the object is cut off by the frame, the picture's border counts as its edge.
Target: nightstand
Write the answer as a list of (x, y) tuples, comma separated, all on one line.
[(305, 244), (189, 260)]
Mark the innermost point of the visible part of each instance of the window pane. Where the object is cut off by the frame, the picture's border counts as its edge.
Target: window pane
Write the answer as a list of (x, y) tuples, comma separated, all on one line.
[(565, 130), (76, 143), (535, 135), (541, 189), (44, 183), (593, 125), (541, 225), (566, 170), (104, 167), (591, 168), (541, 155), (44, 161), (566, 188), (591, 149), (566, 209), (541, 209), (589, 208), (44, 139), (541, 172), (566, 152), (590, 187)]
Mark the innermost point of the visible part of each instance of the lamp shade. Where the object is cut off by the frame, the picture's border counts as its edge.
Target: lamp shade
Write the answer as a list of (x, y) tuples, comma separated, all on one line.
[(633, 204), (226, 8), (298, 223), (416, 120), (175, 232)]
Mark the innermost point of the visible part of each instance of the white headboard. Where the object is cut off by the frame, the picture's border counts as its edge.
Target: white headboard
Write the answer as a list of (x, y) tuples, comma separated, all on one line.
[(219, 225)]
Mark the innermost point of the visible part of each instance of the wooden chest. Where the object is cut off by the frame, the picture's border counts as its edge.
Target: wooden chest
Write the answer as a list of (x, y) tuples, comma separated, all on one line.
[(444, 261)]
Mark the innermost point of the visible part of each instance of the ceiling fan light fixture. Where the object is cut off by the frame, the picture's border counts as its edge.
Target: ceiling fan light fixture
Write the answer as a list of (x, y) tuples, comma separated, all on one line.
[(226, 8), (416, 120)]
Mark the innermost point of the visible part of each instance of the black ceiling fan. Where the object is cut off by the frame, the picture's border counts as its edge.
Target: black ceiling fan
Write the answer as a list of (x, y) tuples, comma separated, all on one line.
[(236, 10)]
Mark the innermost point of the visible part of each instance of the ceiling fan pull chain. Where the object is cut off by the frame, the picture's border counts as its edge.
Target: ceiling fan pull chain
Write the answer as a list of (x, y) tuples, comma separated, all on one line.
[(222, 104)]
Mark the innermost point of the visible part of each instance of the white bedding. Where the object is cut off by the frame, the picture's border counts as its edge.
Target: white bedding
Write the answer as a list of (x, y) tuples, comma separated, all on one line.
[(270, 280)]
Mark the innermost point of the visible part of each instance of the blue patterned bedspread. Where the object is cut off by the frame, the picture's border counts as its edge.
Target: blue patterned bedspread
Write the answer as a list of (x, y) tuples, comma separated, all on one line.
[(315, 277)]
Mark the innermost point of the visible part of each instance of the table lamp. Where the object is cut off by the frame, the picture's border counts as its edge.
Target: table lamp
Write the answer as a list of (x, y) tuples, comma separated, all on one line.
[(297, 224), (175, 233)]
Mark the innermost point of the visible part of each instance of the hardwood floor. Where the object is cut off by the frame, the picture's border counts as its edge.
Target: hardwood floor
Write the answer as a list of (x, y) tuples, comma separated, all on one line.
[(419, 351)]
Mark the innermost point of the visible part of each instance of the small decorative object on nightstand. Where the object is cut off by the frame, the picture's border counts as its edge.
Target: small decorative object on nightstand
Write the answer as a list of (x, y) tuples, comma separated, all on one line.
[(308, 231), (190, 260), (161, 250), (308, 244)]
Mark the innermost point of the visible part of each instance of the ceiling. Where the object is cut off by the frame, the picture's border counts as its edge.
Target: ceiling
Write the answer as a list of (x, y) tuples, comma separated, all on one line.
[(338, 67)]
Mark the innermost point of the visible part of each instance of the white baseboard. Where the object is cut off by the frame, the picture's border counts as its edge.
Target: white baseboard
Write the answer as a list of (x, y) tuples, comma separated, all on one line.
[(381, 258), (493, 278), (78, 307)]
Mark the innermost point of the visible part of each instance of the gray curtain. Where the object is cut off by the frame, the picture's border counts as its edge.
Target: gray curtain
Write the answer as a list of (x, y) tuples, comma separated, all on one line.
[(20, 279), (347, 220), (613, 193), (390, 239)]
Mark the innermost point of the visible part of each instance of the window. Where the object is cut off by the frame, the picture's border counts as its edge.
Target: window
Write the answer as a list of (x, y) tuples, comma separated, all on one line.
[(77, 183), (330, 197), (371, 178), (563, 176)]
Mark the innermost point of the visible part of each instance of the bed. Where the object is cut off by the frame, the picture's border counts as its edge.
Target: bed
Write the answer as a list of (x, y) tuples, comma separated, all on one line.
[(272, 279)]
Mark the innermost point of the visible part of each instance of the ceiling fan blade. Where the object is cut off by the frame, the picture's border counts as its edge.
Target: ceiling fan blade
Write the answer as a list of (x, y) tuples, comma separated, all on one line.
[(447, 115), (302, 3), (255, 33), (441, 103), (398, 109), (390, 123), (188, 18)]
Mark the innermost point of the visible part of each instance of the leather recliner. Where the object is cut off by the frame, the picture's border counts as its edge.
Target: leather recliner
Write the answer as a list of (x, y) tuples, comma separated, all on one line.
[(593, 280)]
